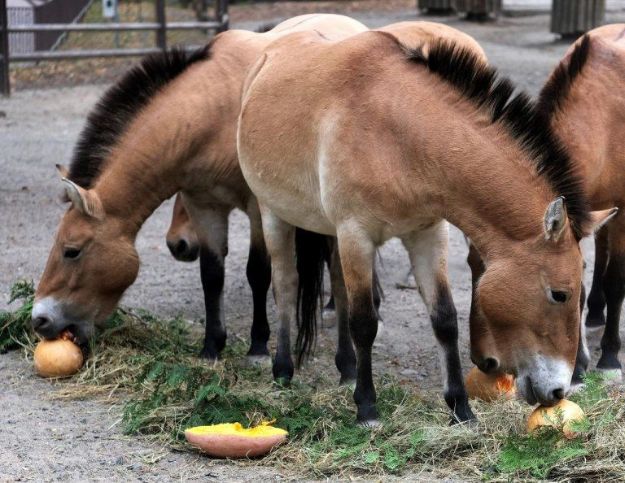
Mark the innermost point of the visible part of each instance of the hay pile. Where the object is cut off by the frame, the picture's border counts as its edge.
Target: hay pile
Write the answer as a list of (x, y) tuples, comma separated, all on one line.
[(150, 365)]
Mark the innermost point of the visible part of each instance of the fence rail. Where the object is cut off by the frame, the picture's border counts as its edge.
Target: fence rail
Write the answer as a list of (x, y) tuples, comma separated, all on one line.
[(160, 27)]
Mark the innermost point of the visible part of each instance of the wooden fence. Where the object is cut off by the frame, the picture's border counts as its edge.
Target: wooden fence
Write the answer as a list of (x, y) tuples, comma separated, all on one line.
[(161, 26)]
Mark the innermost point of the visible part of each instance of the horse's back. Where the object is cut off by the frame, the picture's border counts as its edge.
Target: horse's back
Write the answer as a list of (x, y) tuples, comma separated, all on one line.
[(306, 119), (331, 26)]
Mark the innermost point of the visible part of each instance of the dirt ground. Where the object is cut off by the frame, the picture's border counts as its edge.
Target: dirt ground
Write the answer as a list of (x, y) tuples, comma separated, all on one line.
[(80, 440)]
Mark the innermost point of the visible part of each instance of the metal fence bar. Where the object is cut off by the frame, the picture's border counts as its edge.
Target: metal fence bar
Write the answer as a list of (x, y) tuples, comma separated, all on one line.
[(161, 33), (105, 27), (5, 81), (160, 27)]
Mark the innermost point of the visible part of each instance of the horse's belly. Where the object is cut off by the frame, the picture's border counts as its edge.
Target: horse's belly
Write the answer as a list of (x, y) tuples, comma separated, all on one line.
[(298, 207)]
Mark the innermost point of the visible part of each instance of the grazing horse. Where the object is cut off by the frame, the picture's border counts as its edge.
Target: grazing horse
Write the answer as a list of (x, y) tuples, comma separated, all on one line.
[(182, 240), (169, 125), (365, 139), (585, 101)]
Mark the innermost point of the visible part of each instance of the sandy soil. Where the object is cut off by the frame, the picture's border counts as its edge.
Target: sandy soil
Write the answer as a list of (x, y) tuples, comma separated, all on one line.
[(52, 439)]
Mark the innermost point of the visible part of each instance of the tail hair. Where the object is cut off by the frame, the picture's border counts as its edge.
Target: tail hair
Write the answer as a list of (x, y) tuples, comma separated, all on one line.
[(311, 252)]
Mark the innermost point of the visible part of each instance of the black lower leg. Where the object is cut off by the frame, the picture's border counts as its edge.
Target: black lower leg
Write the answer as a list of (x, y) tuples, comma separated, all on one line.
[(259, 278), (345, 358), (445, 325), (363, 325), (581, 359), (596, 297), (283, 367), (212, 274), (614, 289)]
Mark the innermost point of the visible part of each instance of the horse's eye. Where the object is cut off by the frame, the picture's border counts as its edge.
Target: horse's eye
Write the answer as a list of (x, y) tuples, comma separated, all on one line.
[(71, 253), (558, 296)]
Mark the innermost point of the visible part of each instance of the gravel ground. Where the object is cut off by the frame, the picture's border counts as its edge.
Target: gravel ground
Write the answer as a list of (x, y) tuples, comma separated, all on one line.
[(79, 440)]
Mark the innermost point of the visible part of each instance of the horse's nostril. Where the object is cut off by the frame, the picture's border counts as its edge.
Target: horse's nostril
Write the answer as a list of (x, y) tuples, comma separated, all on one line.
[(181, 247), (489, 364), (40, 322), (558, 394)]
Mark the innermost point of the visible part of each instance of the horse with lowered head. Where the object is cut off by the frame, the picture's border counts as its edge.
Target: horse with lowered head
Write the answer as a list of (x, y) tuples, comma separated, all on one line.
[(584, 99), (168, 126), (381, 140)]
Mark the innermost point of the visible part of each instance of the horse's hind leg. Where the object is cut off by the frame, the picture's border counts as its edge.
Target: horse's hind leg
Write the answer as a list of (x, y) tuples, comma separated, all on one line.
[(211, 225), (259, 278), (345, 358), (280, 240), (614, 289), (596, 297), (428, 255)]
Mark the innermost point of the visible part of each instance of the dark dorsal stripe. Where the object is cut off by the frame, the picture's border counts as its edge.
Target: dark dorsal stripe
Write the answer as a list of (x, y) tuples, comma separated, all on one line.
[(526, 123), (120, 104), (559, 84)]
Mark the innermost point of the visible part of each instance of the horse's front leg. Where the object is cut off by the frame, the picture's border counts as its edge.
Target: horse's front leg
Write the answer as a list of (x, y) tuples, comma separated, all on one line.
[(280, 241), (596, 298), (211, 225), (357, 253), (582, 359), (428, 255), (614, 289), (259, 278)]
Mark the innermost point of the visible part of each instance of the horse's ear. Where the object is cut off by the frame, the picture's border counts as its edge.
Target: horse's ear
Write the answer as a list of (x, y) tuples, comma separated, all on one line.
[(555, 220), (85, 201), (598, 219), (63, 171)]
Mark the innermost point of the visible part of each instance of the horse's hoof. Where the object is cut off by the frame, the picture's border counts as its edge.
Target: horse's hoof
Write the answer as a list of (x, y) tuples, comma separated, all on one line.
[(258, 360), (209, 355), (594, 322), (611, 377), (348, 382), (370, 423), (282, 381)]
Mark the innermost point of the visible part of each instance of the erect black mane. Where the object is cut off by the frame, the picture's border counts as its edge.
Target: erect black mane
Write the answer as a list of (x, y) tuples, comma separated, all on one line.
[(559, 84), (527, 123), (120, 104)]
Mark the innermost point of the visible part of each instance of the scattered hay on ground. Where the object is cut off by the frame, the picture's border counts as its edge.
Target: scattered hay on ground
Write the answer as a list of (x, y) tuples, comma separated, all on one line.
[(150, 366)]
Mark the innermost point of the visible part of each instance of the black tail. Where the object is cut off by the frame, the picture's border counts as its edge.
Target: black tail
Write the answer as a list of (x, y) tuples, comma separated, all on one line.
[(311, 251)]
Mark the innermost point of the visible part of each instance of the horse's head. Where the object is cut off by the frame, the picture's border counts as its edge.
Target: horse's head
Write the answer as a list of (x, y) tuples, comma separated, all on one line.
[(181, 238), (526, 317), (92, 262)]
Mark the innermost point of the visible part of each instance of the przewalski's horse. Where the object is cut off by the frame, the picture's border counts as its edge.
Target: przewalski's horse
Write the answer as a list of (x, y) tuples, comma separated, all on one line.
[(182, 240), (585, 100), (168, 125), (379, 141)]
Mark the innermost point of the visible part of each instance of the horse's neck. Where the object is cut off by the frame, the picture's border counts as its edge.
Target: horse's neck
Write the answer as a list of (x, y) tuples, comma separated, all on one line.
[(590, 123), (490, 188), (184, 128)]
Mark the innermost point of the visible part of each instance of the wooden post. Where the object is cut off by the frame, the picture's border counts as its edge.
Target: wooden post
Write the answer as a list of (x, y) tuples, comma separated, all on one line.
[(161, 33), (479, 10), (5, 80), (442, 7), (221, 15), (571, 18)]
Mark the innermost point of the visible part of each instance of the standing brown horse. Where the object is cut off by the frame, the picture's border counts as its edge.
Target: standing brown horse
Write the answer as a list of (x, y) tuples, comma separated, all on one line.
[(167, 126), (365, 139), (586, 104), (182, 240)]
